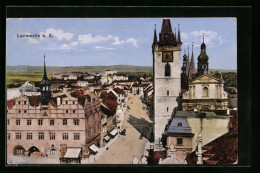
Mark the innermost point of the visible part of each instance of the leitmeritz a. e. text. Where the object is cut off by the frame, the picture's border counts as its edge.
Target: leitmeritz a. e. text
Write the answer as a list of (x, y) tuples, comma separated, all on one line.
[(34, 35)]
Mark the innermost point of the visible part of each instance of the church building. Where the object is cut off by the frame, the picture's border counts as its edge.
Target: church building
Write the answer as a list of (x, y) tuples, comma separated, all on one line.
[(167, 72)]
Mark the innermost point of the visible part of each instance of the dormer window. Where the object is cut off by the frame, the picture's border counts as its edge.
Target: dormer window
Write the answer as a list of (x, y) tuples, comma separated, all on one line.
[(179, 124)]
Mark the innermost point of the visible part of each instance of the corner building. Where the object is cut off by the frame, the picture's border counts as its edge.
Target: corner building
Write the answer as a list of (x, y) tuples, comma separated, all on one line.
[(167, 76)]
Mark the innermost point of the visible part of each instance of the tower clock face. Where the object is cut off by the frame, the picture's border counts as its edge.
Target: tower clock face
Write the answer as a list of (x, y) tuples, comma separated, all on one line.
[(167, 56)]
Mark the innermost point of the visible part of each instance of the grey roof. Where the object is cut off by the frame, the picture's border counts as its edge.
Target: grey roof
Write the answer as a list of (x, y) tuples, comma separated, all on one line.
[(192, 114), (174, 128)]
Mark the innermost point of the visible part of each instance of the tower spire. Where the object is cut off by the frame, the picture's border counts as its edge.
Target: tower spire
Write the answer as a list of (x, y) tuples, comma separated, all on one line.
[(203, 37), (192, 70), (155, 36), (179, 33), (45, 74), (188, 61)]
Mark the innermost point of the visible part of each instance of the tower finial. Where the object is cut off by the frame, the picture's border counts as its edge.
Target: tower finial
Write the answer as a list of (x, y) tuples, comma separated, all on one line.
[(203, 37), (155, 35), (45, 74), (179, 33)]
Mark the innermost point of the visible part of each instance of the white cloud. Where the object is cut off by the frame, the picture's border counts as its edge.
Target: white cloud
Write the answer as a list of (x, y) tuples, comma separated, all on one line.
[(133, 41), (59, 34), (116, 41), (89, 39), (184, 35), (104, 48), (74, 43), (64, 46)]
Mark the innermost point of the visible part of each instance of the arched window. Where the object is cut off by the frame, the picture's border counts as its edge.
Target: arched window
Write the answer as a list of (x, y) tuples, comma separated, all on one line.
[(167, 69), (167, 93), (53, 151), (179, 124), (205, 92)]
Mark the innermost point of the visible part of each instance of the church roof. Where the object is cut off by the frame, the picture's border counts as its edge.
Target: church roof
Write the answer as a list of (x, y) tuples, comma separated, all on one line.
[(167, 37), (179, 125)]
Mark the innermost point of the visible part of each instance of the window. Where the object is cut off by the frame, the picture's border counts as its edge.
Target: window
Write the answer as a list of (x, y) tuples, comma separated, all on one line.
[(167, 109), (46, 88), (74, 111), (29, 135), (52, 122), (52, 136), (25, 102), (179, 124), (76, 136), (65, 122), (53, 151), (73, 102), (65, 136), (29, 122), (8, 136), (167, 69), (43, 88), (167, 93), (19, 111), (76, 121), (205, 92), (19, 102), (67, 111), (66, 102), (18, 122), (179, 141), (8, 122), (40, 122), (18, 135), (25, 111), (41, 136)]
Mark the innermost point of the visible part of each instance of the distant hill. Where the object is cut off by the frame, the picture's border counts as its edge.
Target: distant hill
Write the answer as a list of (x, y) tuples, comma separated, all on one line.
[(98, 69)]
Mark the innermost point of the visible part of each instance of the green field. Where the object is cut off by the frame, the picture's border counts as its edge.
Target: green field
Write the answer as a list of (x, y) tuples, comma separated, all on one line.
[(17, 77)]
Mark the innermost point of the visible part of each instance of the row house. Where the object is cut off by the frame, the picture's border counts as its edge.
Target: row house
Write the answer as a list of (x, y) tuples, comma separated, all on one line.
[(69, 121)]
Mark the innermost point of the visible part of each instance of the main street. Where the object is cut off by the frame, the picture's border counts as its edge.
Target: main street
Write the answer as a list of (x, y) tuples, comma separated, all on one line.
[(125, 148)]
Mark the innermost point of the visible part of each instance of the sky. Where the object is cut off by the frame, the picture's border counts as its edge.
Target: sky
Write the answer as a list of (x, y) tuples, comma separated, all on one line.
[(114, 41)]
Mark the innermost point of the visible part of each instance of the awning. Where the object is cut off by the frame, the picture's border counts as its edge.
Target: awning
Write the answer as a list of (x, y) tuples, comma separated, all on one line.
[(72, 153), (114, 132), (107, 138), (94, 148)]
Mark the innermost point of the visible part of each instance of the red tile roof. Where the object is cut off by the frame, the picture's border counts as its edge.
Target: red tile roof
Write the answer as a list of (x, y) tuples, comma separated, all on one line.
[(222, 150), (10, 103), (110, 106), (119, 91), (34, 100), (154, 157), (135, 85), (109, 95)]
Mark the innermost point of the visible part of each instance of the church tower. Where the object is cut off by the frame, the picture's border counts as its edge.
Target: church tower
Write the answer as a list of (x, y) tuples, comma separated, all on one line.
[(167, 76), (45, 88), (203, 64)]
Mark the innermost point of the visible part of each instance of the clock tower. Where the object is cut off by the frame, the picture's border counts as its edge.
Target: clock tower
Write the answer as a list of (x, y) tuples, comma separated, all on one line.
[(167, 76)]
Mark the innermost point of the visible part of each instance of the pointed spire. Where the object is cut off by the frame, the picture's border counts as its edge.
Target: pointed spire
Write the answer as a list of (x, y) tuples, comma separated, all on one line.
[(179, 33), (192, 70), (44, 74), (155, 36), (188, 61), (203, 37)]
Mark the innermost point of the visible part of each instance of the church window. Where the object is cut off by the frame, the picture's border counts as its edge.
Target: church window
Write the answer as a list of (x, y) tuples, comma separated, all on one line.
[(205, 92), (179, 141), (167, 109), (167, 69), (167, 93), (179, 124)]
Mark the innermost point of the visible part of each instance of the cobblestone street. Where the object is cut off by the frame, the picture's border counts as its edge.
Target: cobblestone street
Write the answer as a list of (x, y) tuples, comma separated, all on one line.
[(127, 147)]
